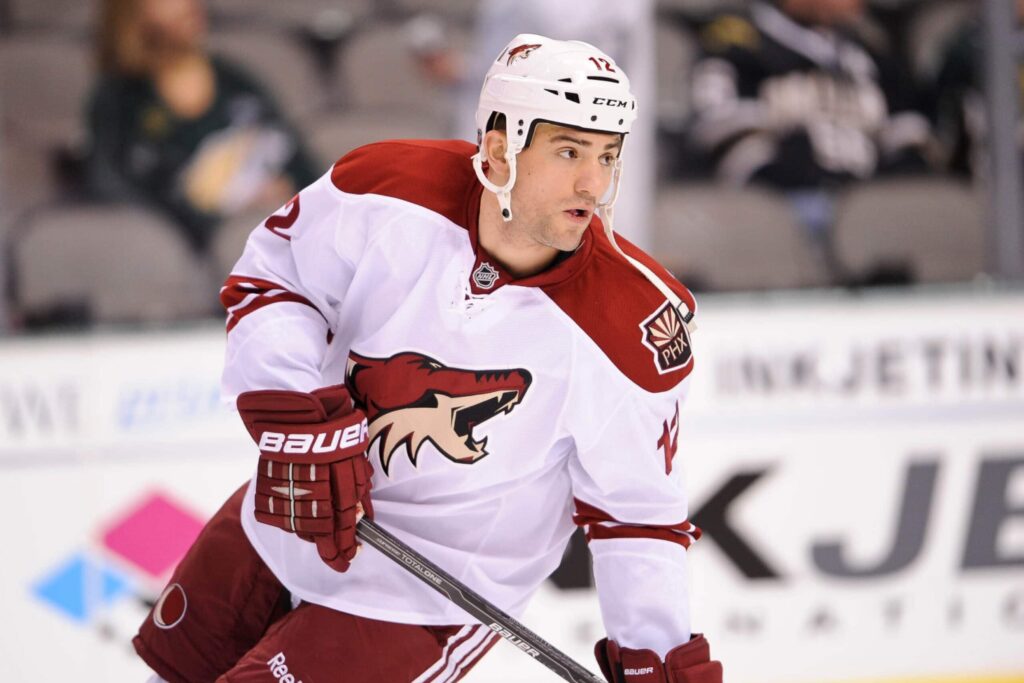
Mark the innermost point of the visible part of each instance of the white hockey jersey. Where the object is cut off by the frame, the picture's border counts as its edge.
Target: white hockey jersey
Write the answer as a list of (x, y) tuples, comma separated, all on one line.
[(502, 412)]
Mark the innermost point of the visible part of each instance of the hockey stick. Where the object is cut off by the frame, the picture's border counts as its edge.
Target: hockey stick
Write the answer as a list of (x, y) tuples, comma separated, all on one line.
[(489, 615)]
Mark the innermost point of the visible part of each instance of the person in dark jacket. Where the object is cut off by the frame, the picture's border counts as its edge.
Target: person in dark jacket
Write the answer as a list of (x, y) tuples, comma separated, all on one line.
[(789, 95), (187, 131)]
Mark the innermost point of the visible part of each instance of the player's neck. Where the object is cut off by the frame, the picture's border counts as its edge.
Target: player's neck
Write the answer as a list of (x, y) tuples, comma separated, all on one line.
[(515, 251)]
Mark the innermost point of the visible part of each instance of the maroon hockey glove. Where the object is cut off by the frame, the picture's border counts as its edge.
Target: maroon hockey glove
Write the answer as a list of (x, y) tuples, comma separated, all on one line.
[(313, 470), (688, 663)]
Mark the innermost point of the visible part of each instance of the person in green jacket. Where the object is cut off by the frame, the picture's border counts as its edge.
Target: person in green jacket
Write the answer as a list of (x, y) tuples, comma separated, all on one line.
[(172, 125)]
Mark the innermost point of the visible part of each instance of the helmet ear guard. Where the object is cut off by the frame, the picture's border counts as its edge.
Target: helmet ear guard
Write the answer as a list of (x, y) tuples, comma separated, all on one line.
[(503, 192)]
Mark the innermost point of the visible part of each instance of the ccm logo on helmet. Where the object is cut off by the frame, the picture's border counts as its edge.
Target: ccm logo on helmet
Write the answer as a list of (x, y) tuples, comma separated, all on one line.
[(611, 103), (276, 442)]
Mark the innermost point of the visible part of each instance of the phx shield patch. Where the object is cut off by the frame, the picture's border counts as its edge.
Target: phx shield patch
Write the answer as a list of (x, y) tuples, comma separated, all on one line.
[(666, 335)]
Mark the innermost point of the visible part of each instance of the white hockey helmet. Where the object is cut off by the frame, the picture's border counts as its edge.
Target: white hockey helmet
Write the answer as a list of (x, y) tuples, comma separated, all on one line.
[(566, 82)]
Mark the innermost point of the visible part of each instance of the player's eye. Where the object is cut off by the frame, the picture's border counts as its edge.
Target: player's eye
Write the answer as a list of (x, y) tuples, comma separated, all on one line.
[(568, 153), (608, 159)]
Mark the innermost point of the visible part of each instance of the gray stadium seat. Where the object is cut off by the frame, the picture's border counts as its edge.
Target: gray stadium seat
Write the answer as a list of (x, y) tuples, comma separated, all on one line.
[(723, 238), (279, 62), (703, 7), (230, 239), (675, 50), (935, 225), (332, 137), (462, 11), (71, 15), (26, 176), (44, 81), (293, 13), (378, 70), (124, 263)]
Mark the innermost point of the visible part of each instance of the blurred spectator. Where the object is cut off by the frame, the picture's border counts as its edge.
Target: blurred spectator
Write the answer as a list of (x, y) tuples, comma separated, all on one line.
[(172, 125), (960, 115), (791, 95)]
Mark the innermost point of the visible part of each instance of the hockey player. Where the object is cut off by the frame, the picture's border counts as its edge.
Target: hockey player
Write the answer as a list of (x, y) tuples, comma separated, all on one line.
[(514, 373)]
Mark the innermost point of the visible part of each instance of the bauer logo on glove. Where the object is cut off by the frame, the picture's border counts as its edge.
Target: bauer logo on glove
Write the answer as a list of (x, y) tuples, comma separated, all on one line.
[(278, 442), (313, 477)]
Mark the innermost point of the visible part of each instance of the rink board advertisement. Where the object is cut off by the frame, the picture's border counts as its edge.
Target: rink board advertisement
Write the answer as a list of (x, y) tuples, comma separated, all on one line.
[(857, 466)]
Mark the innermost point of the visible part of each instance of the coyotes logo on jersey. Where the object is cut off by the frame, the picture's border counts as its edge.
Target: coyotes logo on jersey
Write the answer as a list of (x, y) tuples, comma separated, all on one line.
[(411, 399), (665, 333), (520, 52)]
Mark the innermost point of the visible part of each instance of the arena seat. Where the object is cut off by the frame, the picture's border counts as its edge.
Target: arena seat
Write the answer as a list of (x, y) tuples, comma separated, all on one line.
[(45, 79), (331, 137), (675, 51), (703, 7), (934, 225), (278, 61), (274, 13), (228, 243), (462, 11), (378, 70), (724, 238), (27, 176), (120, 263), (71, 16)]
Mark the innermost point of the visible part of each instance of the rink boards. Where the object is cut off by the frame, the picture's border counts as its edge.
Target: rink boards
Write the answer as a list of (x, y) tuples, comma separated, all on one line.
[(857, 466)]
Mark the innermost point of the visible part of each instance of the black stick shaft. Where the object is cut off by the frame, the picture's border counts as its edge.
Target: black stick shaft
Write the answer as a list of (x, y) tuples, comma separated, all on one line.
[(490, 616)]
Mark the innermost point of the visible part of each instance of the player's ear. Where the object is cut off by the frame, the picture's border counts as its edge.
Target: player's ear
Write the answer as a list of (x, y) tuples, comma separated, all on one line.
[(495, 147)]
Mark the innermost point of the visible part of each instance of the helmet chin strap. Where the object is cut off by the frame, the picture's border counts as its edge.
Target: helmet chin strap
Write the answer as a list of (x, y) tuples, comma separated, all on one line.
[(503, 192)]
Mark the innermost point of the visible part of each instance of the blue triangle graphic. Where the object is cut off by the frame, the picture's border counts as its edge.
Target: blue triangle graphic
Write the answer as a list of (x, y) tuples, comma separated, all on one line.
[(65, 588)]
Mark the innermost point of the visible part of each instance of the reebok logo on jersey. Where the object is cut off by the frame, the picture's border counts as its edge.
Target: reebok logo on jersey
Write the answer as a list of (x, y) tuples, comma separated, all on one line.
[(665, 333), (279, 670), (276, 442), (519, 52), (411, 399)]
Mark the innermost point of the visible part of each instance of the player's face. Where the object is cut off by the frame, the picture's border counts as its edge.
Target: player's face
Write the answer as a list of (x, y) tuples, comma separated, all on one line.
[(560, 178)]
